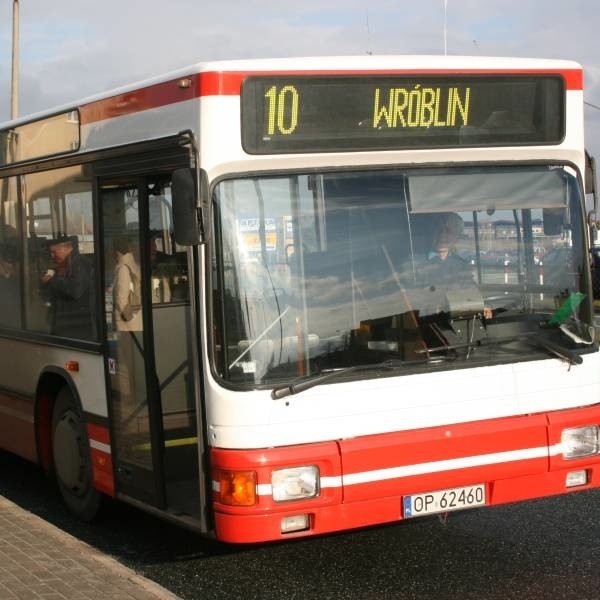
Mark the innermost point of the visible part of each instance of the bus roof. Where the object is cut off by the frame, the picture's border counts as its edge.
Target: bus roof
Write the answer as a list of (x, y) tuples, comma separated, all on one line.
[(329, 64)]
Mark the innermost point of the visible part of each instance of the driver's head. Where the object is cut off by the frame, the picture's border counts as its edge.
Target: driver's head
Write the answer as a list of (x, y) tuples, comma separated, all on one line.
[(449, 228)]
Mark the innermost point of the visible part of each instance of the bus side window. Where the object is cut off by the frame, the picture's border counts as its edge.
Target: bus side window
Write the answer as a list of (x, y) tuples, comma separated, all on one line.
[(59, 253), (10, 259)]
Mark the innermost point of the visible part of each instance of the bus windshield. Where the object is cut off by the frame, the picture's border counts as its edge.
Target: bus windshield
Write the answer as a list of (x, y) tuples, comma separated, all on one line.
[(432, 268)]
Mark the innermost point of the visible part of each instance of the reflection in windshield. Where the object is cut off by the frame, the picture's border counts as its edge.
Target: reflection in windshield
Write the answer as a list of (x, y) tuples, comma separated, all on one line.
[(329, 271)]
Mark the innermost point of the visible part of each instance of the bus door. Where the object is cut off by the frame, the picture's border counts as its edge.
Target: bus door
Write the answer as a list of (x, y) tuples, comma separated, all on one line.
[(150, 336)]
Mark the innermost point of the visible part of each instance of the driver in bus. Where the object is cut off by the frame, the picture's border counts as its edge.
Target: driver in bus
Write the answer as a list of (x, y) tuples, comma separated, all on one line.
[(444, 268)]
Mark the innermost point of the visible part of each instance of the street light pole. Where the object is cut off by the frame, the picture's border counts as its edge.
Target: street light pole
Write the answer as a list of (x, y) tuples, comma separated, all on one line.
[(14, 93), (445, 27)]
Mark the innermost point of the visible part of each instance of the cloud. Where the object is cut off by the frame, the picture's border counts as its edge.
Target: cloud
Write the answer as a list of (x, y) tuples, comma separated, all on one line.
[(68, 53)]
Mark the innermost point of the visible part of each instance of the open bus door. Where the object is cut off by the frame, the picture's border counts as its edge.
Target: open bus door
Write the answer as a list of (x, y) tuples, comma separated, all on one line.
[(150, 339)]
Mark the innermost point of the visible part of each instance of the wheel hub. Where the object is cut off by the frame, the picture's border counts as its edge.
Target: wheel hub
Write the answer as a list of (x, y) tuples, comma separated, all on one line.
[(68, 457)]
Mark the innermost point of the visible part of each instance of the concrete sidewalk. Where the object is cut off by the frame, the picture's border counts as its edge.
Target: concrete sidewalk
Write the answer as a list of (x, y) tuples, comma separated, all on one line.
[(39, 561)]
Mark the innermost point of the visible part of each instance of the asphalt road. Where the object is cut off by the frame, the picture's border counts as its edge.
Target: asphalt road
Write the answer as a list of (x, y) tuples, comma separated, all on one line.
[(544, 549)]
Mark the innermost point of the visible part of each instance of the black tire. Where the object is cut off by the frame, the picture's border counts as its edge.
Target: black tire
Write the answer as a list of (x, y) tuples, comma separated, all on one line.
[(72, 462)]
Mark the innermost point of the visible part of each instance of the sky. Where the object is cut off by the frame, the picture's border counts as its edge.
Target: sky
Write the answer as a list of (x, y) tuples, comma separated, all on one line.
[(72, 50)]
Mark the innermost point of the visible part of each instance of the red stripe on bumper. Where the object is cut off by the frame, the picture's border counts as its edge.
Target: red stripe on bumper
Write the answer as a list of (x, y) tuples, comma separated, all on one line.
[(426, 447)]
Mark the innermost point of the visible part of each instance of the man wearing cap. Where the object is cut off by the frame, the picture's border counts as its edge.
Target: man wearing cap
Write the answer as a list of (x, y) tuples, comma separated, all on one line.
[(68, 288)]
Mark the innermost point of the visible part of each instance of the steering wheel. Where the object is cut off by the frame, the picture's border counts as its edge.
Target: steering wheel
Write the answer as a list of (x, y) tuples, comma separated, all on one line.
[(508, 301)]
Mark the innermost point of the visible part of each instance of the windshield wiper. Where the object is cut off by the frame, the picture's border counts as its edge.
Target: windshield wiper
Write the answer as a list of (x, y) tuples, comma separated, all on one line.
[(532, 338), (579, 332), (323, 376), (564, 353)]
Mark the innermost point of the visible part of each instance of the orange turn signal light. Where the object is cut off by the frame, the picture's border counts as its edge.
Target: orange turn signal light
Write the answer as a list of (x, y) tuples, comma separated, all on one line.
[(72, 366), (236, 488)]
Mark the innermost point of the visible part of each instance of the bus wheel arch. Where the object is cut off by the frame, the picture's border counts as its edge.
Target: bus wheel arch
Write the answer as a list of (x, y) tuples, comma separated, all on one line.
[(49, 384), (63, 445)]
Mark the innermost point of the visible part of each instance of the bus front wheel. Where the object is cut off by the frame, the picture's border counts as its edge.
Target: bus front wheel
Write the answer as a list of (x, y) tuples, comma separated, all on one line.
[(71, 454)]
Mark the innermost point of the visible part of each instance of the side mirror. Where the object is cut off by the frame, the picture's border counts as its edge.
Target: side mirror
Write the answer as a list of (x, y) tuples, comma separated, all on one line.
[(590, 174), (187, 217)]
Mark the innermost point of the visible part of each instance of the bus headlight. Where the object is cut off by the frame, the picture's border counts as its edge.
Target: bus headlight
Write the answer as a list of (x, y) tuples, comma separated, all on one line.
[(580, 441), (295, 483)]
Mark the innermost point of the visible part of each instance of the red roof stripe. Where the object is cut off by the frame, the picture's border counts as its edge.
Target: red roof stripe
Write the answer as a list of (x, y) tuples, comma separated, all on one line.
[(153, 96), (229, 84)]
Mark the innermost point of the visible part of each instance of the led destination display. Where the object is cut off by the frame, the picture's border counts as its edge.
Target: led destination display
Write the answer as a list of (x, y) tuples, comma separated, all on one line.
[(285, 114)]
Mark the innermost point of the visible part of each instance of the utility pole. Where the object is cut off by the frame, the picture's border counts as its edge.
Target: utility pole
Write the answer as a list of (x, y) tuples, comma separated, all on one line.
[(14, 90), (445, 27)]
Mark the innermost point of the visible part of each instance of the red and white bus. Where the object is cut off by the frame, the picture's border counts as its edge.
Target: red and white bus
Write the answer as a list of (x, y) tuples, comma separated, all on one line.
[(225, 299)]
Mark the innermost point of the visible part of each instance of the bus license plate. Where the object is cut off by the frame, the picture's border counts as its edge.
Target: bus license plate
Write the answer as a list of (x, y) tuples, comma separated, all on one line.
[(443, 501)]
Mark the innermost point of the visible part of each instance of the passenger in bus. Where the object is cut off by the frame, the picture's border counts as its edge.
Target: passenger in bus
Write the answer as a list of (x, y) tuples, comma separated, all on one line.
[(168, 271), (160, 281), (127, 314), (128, 323), (10, 303), (444, 268), (68, 289)]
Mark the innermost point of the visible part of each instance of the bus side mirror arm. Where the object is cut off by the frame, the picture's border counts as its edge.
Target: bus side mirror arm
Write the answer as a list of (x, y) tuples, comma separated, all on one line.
[(589, 182), (590, 185), (188, 222)]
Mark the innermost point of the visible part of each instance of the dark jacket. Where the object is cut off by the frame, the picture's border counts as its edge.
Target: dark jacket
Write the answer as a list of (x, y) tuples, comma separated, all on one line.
[(437, 279), (71, 299), (454, 272)]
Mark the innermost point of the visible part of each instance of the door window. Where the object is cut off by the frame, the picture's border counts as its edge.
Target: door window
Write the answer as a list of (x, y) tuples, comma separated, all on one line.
[(168, 261)]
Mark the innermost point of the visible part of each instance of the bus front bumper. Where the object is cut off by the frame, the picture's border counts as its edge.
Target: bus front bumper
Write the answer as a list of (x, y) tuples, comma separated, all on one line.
[(394, 476)]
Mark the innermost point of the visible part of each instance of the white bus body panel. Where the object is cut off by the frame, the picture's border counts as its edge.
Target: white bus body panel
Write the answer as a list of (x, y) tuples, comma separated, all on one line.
[(373, 406), (24, 363)]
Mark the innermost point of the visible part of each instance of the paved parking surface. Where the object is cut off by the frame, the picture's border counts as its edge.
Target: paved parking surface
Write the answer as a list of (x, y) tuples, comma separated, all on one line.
[(39, 561)]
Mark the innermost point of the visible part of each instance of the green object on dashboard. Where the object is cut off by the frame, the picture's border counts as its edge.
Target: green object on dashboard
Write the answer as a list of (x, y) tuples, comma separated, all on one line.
[(567, 308)]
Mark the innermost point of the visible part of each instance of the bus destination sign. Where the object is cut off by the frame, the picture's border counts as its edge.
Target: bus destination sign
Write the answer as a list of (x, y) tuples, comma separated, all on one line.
[(285, 114)]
